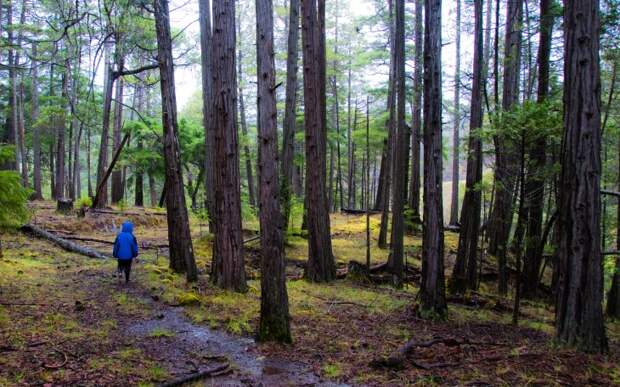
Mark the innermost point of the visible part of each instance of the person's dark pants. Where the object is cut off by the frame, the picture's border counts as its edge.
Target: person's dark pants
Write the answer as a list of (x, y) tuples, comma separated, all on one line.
[(124, 265)]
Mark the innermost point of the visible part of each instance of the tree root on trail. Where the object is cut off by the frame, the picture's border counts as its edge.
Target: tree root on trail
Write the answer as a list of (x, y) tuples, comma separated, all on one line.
[(397, 359), (61, 242), (219, 370)]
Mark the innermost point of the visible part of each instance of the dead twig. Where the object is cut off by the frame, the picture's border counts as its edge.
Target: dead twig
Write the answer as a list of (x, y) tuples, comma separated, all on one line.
[(215, 371)]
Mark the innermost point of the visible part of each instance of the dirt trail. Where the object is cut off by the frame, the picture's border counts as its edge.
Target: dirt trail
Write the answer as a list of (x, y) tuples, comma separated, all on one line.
[(91, 329)]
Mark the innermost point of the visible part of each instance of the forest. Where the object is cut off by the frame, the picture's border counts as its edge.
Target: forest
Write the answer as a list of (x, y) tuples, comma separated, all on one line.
[(309, 192)]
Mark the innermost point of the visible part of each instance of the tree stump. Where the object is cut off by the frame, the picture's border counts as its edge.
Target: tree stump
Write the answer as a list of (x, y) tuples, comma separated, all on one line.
[(64, 206)]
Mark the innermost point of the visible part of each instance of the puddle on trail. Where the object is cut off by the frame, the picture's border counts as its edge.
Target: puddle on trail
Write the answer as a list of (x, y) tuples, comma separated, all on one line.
[(251, 368)]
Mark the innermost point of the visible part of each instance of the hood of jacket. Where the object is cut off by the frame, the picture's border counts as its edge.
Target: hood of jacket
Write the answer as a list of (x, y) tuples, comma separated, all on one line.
[(127, 227)]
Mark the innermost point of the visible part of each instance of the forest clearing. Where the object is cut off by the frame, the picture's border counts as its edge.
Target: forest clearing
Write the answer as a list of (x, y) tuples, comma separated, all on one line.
[(309, 192)]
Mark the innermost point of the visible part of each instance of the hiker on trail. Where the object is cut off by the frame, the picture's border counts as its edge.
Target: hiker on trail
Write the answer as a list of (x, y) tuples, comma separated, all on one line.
[(125, 250)]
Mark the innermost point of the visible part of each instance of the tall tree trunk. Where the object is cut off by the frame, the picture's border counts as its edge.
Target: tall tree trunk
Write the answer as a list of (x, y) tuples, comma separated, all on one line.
[(336, 118), (228, 269), (152, 190), (206, 58), (352, 161), (13, 111), (139, 173), (60, 136), (36, 133), (391, 124), (579, 309), (396, 257), (432, 287), (179, 237), (454, 203), (75, 186), (465, 268), (350, 150), (102, 164), (274, 315), (290, 107), (244, 130), (534, 186), (504, 154), (416, 128), (117, 175), (321, 263)]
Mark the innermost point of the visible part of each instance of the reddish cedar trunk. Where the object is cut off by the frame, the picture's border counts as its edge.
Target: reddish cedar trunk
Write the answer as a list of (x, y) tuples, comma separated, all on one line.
[(179, 237), (454, 203), (465, 268), (102, 164), (228, 269), (416, 128), (534, 186), (579, 309), (206, 57), (504, 154), (321, 264), (396, 257), (274, 315), (288, 137), (432, 287)]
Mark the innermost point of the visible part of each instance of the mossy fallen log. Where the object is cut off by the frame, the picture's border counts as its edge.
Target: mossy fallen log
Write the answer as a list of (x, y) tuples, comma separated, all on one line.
[(61, 242)]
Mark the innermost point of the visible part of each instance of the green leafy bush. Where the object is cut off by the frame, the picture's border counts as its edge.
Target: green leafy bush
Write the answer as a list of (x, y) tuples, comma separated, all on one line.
[(13, 196)]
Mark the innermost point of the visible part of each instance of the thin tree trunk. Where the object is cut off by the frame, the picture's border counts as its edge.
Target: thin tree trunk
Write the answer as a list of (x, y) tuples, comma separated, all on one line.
[(179, 237), (227, 269), (244, 130), (465, 268), (535, 188), (579, 309), (414, 189), (274, 322), (454, 203), (152, 190), (396, 257), (36, 133), (13, 111), (60, 138), (336, 118), (287, 165), (321, 263), (432, 288)]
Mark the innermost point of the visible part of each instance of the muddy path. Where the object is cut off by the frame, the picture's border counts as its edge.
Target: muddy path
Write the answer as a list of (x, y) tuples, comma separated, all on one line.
[(65, 320)]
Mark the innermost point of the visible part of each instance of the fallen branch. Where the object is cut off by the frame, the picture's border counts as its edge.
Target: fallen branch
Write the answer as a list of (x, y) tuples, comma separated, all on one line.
[(396, 360), (353, 211), (215, 371), (115, 212), (61, 242)]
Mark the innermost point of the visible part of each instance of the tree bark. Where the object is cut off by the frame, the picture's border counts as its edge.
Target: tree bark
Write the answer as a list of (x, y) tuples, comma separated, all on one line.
[(13, 98), (206, 58), (465, 268), (579, 309), (117, 175), (321, 263), (36, 133), (102, 164), (274, 322), (414, 188), (454, 203), (60, 137), (432, 287), (290, 108), (396, 257), (179, 237), (227, 270)]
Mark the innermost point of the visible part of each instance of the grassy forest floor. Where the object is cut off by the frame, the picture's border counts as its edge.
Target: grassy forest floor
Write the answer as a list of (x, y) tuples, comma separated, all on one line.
[(65, 320)]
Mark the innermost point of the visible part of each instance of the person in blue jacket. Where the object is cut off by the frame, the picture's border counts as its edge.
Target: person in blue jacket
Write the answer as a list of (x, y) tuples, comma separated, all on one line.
[(125, 250)]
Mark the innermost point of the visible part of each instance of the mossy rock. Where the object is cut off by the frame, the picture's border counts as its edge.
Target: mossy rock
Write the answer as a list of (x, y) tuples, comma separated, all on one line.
[(188, 299)]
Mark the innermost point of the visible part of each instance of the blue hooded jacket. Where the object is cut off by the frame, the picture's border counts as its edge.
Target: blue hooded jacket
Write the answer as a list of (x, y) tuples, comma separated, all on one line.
[(126, 245)]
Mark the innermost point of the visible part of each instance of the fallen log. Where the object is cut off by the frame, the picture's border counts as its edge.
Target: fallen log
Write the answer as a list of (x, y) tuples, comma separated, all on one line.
[(396, 360), (115, 212), (218, 370), (61, 242), (143, 246), (353, 211)]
